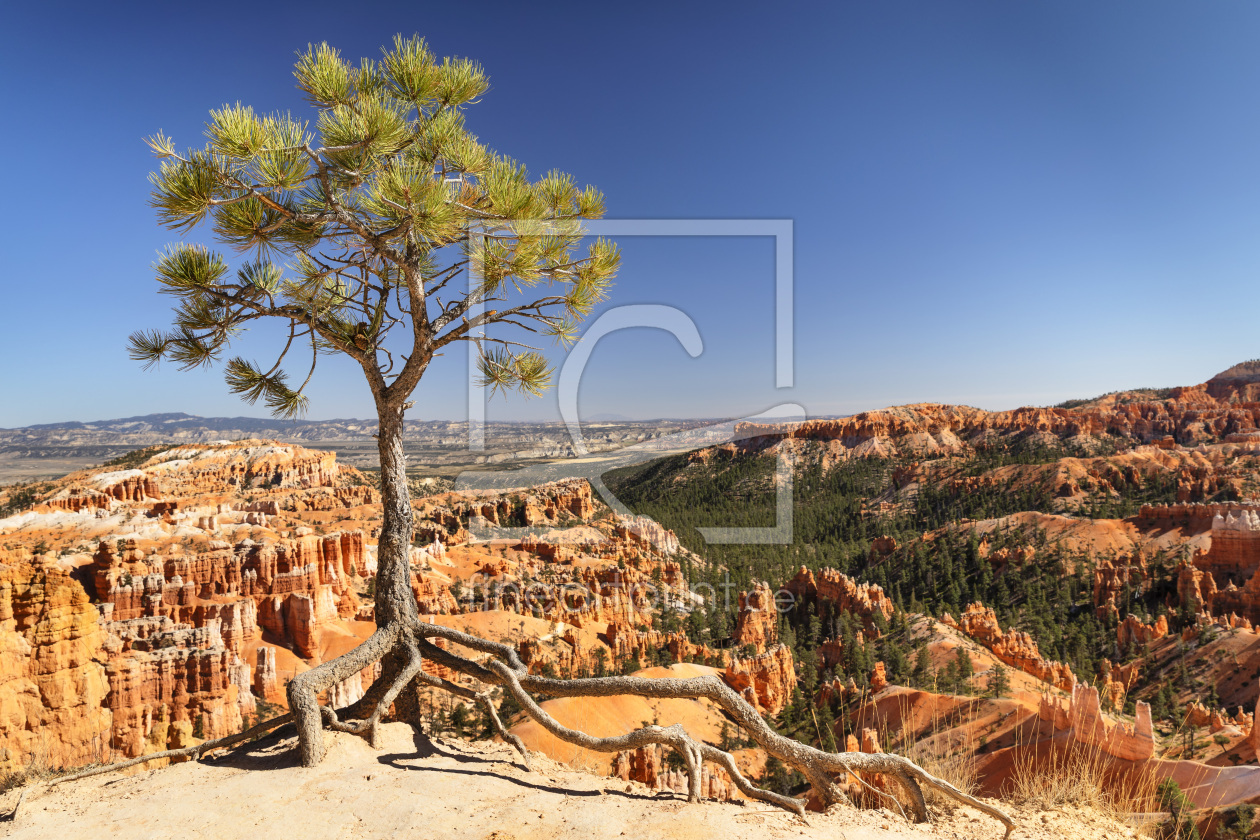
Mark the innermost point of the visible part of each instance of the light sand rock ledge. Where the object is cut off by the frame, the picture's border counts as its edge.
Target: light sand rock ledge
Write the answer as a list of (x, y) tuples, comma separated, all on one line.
[(453, 790)]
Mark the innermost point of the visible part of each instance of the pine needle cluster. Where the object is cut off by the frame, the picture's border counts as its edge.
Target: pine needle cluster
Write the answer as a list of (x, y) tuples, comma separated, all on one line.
[(369, 220)]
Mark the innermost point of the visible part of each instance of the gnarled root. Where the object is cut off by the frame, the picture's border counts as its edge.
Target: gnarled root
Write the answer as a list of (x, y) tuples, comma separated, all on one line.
[(504, 668), (693, 752), (819, 767), (482, 699), (195, 751), (304, 689), (368, 727), (304, 704)]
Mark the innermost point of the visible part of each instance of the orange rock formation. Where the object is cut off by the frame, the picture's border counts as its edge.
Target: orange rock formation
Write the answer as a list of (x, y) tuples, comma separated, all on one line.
[(1013, 647), (766, 680), (52, 670), (1204, 413), (842, 593), (1083, 716), (757, 623), (1132, 631)]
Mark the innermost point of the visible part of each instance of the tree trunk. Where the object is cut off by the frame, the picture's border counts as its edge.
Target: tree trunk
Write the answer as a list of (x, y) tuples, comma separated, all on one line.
[(395, 602), (394, 641)]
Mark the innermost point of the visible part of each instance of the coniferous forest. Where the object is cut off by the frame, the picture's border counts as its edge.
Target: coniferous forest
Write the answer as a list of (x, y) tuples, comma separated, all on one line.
[(937, 566)]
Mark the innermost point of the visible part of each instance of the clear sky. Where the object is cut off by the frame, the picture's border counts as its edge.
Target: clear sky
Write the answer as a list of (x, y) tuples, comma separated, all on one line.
[(995, 204)]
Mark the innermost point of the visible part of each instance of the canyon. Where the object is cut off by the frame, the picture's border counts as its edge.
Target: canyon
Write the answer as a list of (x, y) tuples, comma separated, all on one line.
[(144, 609), (166, 598)]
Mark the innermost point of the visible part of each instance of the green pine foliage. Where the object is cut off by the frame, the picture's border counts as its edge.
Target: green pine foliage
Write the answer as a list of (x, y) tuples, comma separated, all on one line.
[(1180, 825), (1238, 823), (352, 221), (22, 497), (136, 457), (999, 681)]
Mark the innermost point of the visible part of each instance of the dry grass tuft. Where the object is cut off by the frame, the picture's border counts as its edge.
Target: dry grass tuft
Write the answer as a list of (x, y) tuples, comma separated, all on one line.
[(956, 766), (1083, 776), (37, 769)]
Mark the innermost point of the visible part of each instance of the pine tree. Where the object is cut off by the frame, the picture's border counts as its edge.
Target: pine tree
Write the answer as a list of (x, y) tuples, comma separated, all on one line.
[(354, 232), (999, 681), (965, 667), (921, 676), (895, 659)]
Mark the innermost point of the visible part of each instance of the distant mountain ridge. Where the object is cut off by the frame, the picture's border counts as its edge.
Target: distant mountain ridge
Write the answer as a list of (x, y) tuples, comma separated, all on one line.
[(52, 449), (180, 422), (312, 429)]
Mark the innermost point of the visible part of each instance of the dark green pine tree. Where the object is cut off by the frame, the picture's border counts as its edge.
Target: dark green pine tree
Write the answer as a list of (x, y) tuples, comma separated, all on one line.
[(921, 675), (999, 681)]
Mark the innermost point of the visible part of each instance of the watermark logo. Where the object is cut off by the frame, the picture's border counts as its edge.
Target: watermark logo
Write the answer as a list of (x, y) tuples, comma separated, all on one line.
[(616, 593), (682, 328)]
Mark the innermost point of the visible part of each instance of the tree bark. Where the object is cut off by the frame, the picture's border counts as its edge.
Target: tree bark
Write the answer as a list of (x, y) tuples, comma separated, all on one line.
[(395, 602), (394, 642)]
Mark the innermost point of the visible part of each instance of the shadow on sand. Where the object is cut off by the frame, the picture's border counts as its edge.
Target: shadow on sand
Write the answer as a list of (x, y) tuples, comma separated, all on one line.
[(427, 748)]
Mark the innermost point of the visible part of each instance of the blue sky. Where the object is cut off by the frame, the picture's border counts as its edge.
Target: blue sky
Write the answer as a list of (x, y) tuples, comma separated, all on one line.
[(993, 204)]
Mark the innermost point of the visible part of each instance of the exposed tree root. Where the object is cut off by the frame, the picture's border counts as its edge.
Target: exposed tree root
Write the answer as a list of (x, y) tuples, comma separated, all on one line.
[(693, 752), (369, 726), (819, 767), (482, 699), (304, 689), (195, 751), (504, 668)]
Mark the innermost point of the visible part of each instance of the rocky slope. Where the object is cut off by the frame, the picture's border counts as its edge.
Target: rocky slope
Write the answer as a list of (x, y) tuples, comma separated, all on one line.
[(1190, 444), (1228, 404)]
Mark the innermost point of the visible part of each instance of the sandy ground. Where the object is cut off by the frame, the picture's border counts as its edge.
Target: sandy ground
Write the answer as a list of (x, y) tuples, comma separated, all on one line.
[(444, 789)]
